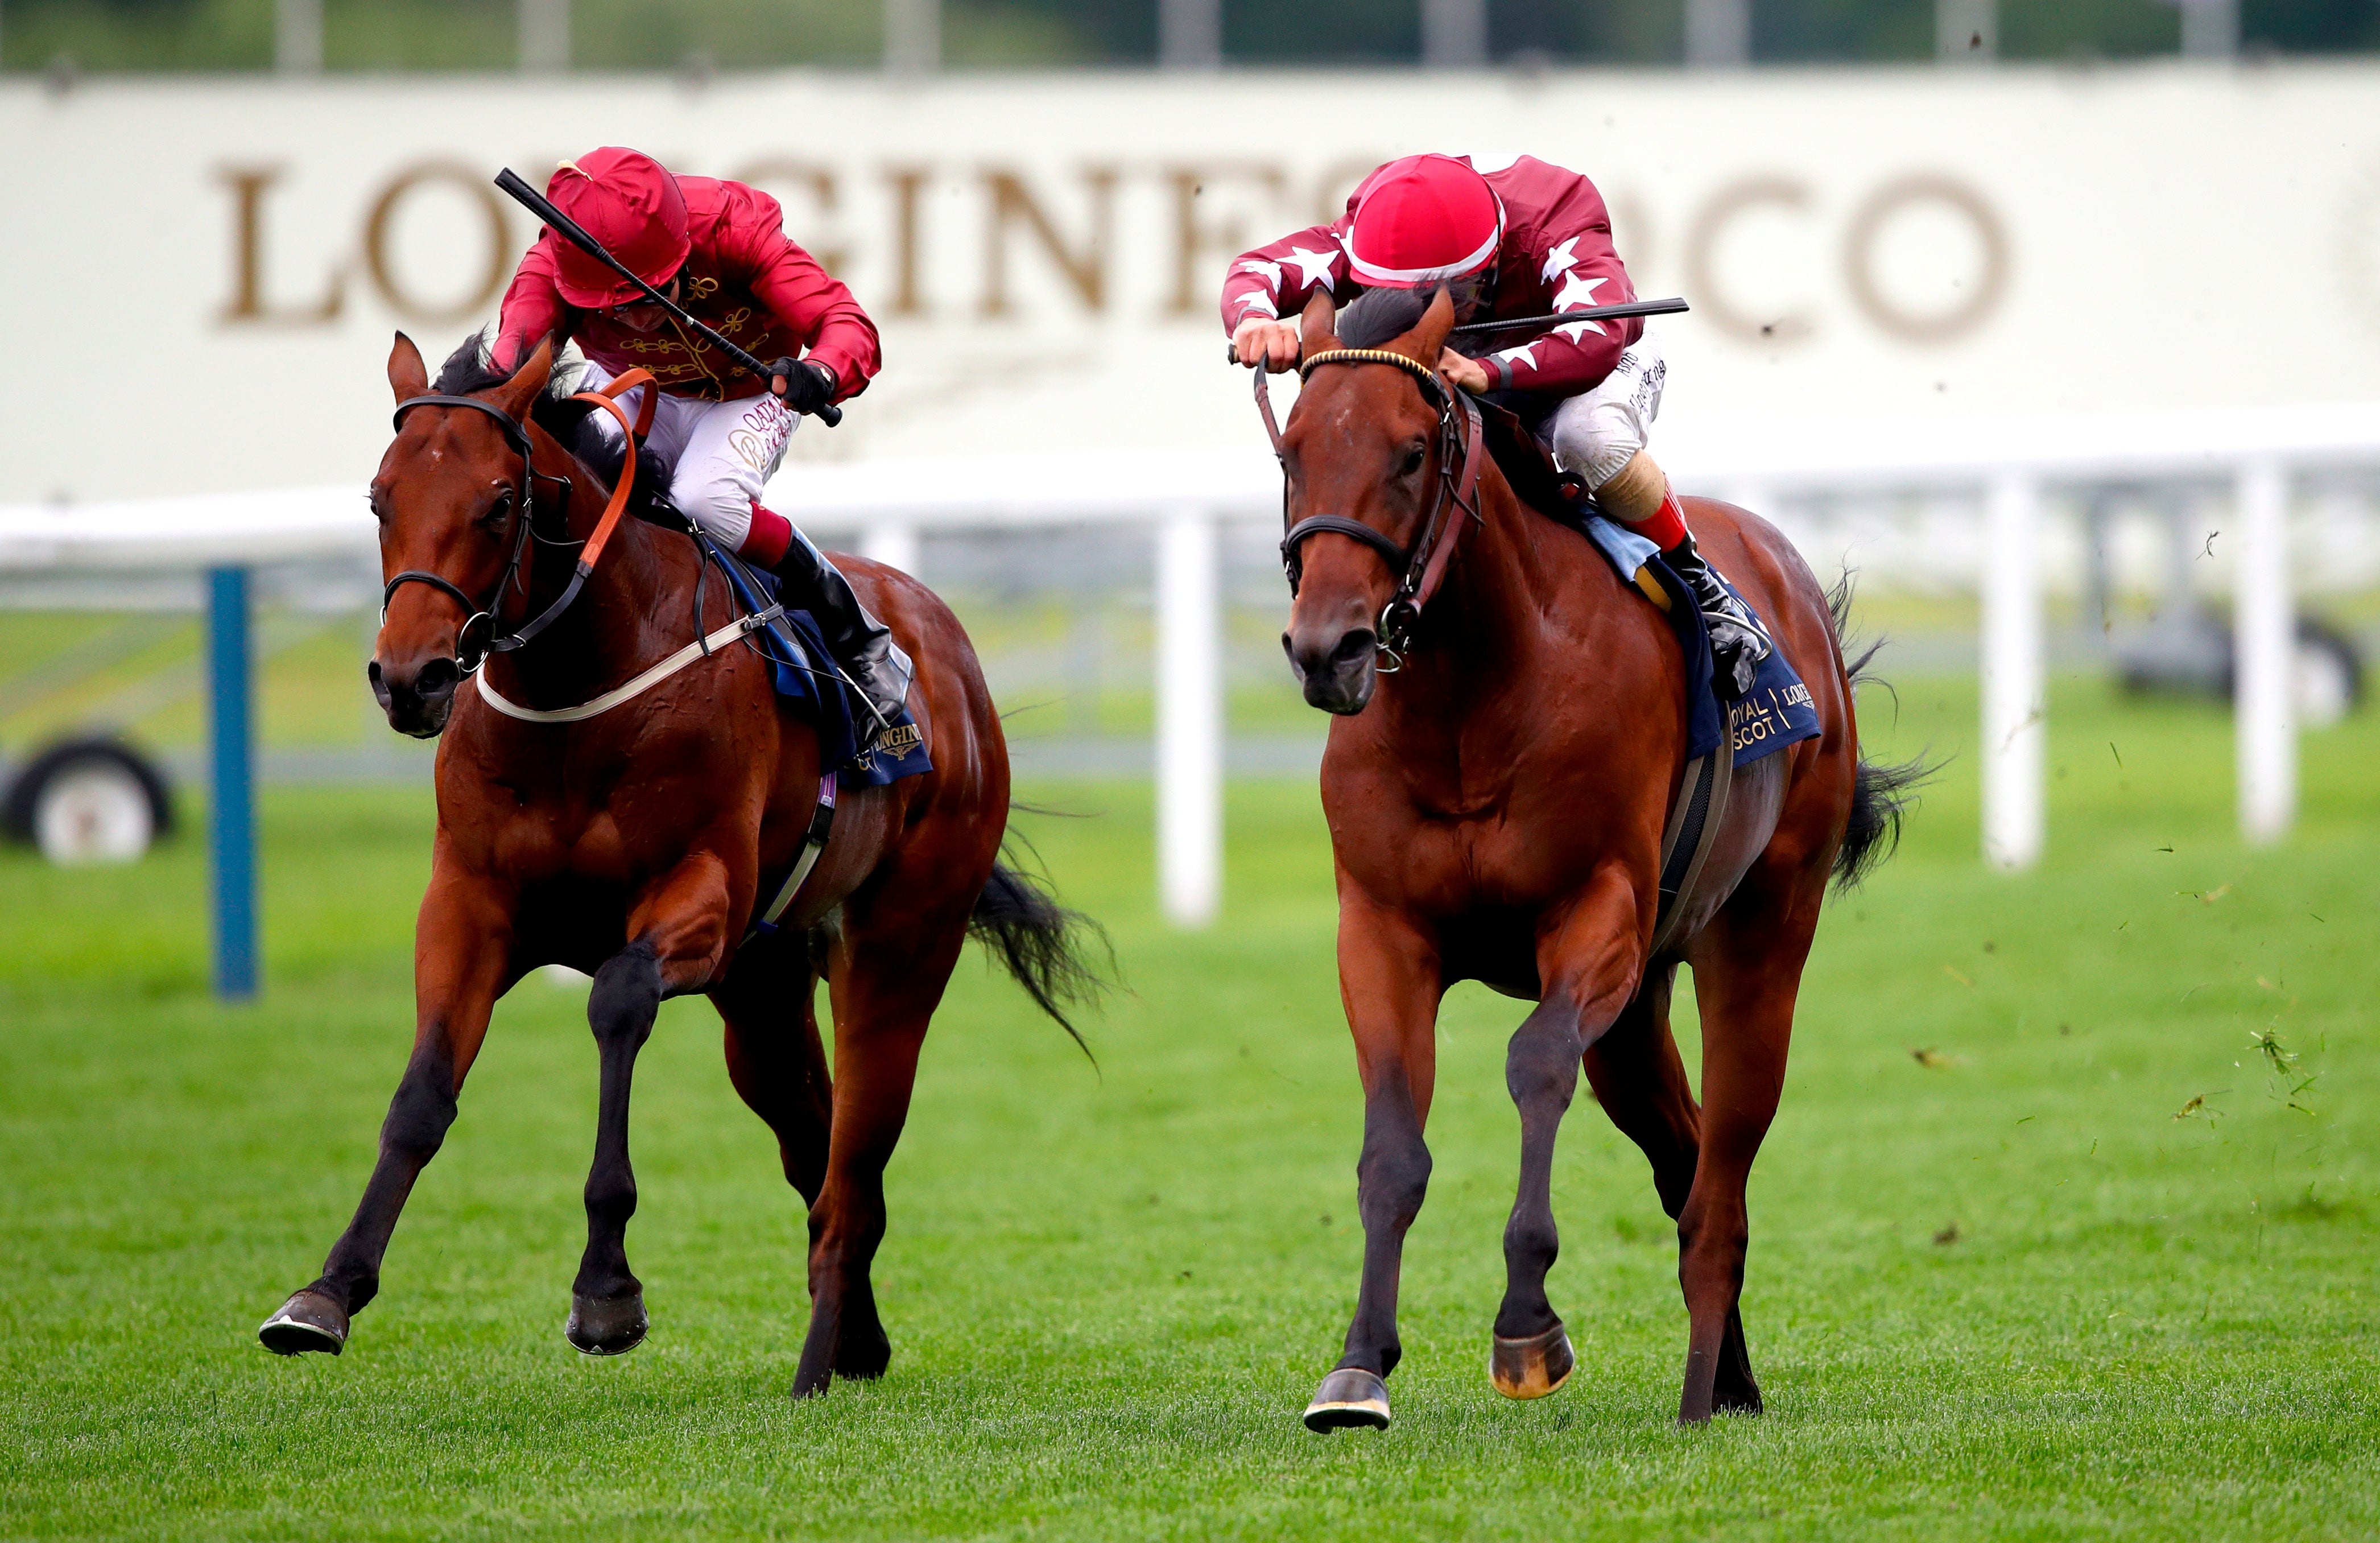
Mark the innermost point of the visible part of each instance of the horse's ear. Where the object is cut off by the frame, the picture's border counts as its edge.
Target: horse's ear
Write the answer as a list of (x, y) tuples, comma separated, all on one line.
[(517, 395), (1314, 327), (408, 376), (1428, 340)]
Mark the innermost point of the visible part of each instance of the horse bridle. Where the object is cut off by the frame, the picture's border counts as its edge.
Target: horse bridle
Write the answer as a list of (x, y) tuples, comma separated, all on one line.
[(1421, 567), (474, 641)]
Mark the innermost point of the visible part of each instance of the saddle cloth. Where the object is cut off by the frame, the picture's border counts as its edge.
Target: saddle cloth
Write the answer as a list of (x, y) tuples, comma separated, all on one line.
[(1776, 712), (806, 675)]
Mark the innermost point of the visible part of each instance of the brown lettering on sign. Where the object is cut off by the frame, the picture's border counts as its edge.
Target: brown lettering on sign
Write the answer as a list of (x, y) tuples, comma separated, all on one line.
[(384, 215), (1702, 242), (247, 306), (907, 182), (818, 182), (1194, 238), (1859, 258), (1085, 268)]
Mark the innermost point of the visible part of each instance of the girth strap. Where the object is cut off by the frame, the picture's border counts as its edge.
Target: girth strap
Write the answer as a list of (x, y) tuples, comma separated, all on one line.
[(813, 844)]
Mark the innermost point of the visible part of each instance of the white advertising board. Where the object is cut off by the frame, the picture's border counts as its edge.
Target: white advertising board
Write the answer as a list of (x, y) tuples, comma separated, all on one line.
[(202, 278)]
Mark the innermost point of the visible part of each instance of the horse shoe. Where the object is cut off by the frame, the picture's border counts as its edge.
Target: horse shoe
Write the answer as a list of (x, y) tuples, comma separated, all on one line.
[(308, 1321), (606, 1325), (1533, 1367), (1350, 1398)]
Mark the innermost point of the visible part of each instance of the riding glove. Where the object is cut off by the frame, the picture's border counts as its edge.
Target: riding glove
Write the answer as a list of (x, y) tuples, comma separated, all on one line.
[(808, 385)]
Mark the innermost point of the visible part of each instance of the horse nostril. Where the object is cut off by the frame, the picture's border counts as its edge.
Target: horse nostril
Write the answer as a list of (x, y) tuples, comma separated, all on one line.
[(437, 678), (1353, 648)]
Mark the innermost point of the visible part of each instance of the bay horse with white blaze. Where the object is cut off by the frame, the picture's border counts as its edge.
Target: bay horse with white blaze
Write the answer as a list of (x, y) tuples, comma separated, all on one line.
[(1497, 809), (632, 843)]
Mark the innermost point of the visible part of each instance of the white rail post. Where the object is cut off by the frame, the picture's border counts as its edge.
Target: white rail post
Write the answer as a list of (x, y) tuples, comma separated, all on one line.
[(2264, 655), (2015, 683), (1189, 720), (893, 543)]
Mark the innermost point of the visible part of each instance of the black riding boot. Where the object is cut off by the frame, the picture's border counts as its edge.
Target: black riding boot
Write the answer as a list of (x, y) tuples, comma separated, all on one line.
[(861, 644), (1738, 640)]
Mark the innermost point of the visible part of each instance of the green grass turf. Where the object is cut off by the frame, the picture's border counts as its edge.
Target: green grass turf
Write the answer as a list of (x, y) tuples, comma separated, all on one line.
[(1995, 1290)]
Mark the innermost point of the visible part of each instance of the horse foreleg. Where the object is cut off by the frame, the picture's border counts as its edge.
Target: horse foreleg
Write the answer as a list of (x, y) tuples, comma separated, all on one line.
[(680, 934), (1747, 971), (1388, 982), (462, 944), (1587, 965)]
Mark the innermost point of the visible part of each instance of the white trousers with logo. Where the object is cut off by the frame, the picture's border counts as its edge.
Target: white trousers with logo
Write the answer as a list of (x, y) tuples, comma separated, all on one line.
[(1598, 432), (720, 455)]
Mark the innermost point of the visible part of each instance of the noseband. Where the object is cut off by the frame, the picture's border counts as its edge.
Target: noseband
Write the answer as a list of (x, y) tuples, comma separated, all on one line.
[(473, 640), (1421, 567)]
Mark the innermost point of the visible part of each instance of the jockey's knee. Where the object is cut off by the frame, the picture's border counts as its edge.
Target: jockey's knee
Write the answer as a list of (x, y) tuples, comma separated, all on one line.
[(1636, 492), (722, 508)]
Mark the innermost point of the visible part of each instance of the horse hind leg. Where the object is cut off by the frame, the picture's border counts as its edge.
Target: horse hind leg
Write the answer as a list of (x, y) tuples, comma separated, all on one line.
[(888, 974), (1746, 976), (775, 1058), (1641, 1082)]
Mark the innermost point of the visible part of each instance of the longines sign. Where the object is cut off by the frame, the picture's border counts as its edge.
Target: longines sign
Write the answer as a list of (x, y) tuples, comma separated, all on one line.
[(218, 267)]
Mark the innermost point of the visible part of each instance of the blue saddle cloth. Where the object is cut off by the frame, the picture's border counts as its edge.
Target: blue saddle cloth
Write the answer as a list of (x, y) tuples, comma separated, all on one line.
[(1776, 712), (792, 643)]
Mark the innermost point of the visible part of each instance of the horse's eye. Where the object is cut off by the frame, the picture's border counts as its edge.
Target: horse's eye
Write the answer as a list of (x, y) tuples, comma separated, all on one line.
[(500, 510), (1415, 455)]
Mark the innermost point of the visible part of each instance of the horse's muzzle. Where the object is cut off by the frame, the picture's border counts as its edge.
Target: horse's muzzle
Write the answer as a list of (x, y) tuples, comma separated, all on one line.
[(419, 698), (1338, 673)]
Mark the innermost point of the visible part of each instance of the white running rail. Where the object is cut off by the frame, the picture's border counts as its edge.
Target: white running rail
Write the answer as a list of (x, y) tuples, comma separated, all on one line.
[(1182, 497)]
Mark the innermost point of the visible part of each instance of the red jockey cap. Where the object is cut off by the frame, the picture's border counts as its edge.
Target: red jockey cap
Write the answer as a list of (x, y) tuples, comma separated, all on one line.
[(1423, 219), (628, 201)]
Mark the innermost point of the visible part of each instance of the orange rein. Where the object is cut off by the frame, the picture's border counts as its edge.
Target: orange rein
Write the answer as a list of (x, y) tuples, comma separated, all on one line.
[(607, 398)]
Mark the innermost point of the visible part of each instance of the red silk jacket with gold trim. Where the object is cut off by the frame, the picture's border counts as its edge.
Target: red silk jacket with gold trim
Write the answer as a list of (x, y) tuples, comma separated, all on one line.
[(743, 276)]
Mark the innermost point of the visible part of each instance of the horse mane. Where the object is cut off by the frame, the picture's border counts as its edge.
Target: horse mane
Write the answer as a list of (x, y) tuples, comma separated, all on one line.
[(472, 368)]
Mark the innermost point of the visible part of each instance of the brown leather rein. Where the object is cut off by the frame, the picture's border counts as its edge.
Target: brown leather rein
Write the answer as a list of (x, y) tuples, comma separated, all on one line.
[(1421, 567), (471, 651)]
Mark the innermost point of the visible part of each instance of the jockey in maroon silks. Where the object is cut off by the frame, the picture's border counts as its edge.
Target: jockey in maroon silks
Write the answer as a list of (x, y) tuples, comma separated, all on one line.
[(719, 249), (1515, 239)]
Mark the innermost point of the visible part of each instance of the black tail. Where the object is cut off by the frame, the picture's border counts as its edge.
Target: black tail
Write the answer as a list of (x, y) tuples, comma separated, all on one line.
[(1882, 794), (1041, 943)]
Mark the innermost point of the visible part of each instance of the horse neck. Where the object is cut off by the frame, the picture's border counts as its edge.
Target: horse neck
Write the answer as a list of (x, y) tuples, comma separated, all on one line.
[(603, 638), (1481, 623)]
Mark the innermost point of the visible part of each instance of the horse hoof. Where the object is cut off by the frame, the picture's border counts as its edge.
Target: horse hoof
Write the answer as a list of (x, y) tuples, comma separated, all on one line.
[(308, 1321), (1350, 1397), (606, 1325), (1531, 1367)]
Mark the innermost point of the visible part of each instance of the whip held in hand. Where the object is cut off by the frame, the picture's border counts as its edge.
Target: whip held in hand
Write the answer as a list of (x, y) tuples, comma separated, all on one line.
[(570, 230), (1620, 311)]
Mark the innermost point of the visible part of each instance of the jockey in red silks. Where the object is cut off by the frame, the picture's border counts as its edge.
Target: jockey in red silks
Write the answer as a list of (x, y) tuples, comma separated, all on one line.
[(719, 249), (1511, 239)]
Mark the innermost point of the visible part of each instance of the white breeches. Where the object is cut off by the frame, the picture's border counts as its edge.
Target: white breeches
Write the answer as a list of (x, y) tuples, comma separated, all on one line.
[(1596, 433), (720, 455)]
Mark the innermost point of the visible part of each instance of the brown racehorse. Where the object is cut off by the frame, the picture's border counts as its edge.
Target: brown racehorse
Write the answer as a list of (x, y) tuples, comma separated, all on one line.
[(1495, 811), (632, 845)]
